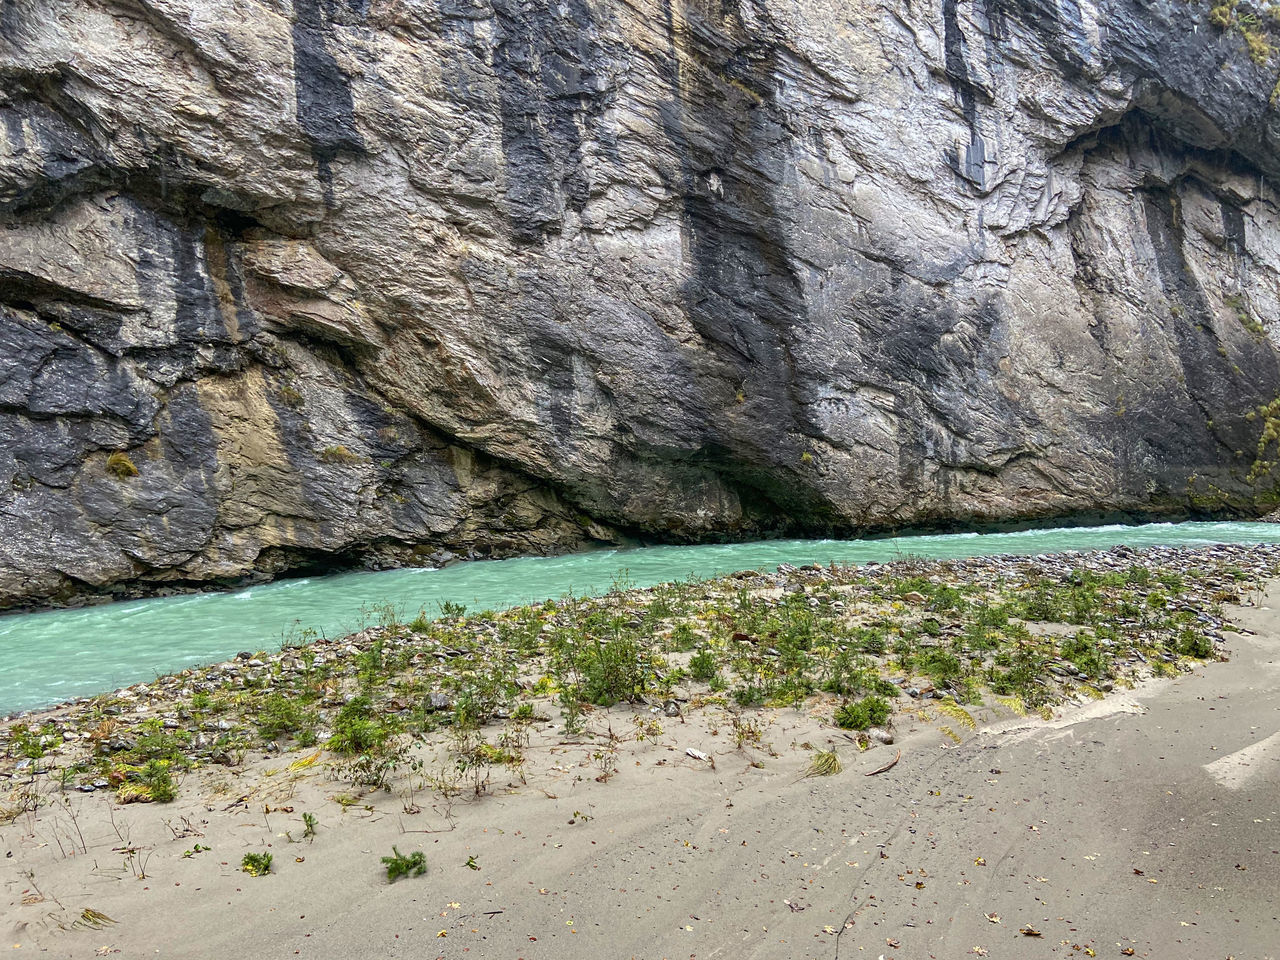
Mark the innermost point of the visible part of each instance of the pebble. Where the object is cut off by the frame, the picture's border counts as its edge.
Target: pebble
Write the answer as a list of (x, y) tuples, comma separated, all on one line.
[(438, 701)]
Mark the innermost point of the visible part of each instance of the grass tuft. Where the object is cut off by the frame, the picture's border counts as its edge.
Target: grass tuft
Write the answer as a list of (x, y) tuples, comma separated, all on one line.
[(824, 763), (1013, 705), (957, 713)]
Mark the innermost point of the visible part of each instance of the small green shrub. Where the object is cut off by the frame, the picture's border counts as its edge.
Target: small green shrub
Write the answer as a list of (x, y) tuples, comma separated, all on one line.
[(683, 637), (870, 711), (256, 864), (1084, 652), (357, 730), (398, 865), (614, 672), (702, 666), (848, 674), (281, 716), (154, 742), (155, 776), (1042, 604), (30, 743), (749, 695), (939, 666), (1192, 643)]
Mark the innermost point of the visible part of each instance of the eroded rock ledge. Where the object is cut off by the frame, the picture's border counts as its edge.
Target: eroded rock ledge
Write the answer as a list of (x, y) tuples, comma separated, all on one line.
[(282, 282)]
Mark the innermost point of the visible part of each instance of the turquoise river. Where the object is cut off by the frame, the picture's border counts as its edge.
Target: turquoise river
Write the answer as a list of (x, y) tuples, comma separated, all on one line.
[(57, 655)]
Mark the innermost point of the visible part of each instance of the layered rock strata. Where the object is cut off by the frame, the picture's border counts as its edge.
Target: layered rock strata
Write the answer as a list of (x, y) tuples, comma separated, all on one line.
[(330, 281)]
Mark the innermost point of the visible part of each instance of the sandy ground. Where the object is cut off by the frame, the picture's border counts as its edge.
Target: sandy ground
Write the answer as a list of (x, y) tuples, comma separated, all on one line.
[(1148, 822)]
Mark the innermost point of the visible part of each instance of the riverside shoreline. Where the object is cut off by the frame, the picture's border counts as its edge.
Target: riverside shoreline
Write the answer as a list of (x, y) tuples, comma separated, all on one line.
[(680, 819)]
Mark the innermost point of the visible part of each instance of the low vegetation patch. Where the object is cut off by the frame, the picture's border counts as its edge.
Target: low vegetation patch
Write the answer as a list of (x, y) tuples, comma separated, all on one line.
[(120, 466), (338, 454), (853, 644), (256, 864), (870, 711), (399, 865)]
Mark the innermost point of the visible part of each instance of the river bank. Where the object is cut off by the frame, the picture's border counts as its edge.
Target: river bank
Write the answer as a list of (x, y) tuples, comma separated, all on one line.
[(54, 656), (546, 746)]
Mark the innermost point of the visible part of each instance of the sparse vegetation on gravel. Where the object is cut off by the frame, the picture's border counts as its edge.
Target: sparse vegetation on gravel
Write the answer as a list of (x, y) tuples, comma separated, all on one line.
[(852, 645)]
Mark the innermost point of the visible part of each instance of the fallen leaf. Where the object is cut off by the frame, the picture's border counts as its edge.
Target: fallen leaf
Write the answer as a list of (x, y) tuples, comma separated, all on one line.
[(1126, 951), (893, 943), (1030, 931), (993, 917), (979, 862)]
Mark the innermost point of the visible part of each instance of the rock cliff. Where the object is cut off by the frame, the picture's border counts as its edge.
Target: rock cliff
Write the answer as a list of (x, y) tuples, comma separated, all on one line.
[(295, 282)]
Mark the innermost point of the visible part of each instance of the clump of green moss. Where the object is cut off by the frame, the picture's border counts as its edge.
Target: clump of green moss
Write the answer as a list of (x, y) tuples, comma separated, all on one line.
[(338, 454), (1269, 414), (1226, 16), (119, 465), (1247, 320)]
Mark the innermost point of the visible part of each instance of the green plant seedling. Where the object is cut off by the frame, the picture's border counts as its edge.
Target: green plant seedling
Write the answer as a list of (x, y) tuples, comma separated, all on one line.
[(398, 865), (256, 864)]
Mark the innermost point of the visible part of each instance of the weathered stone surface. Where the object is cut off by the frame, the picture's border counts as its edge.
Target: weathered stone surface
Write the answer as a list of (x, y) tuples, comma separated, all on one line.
[(366, 279)]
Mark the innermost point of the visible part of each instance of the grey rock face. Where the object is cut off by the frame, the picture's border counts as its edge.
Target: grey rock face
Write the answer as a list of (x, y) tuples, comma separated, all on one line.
[(368, 279)]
